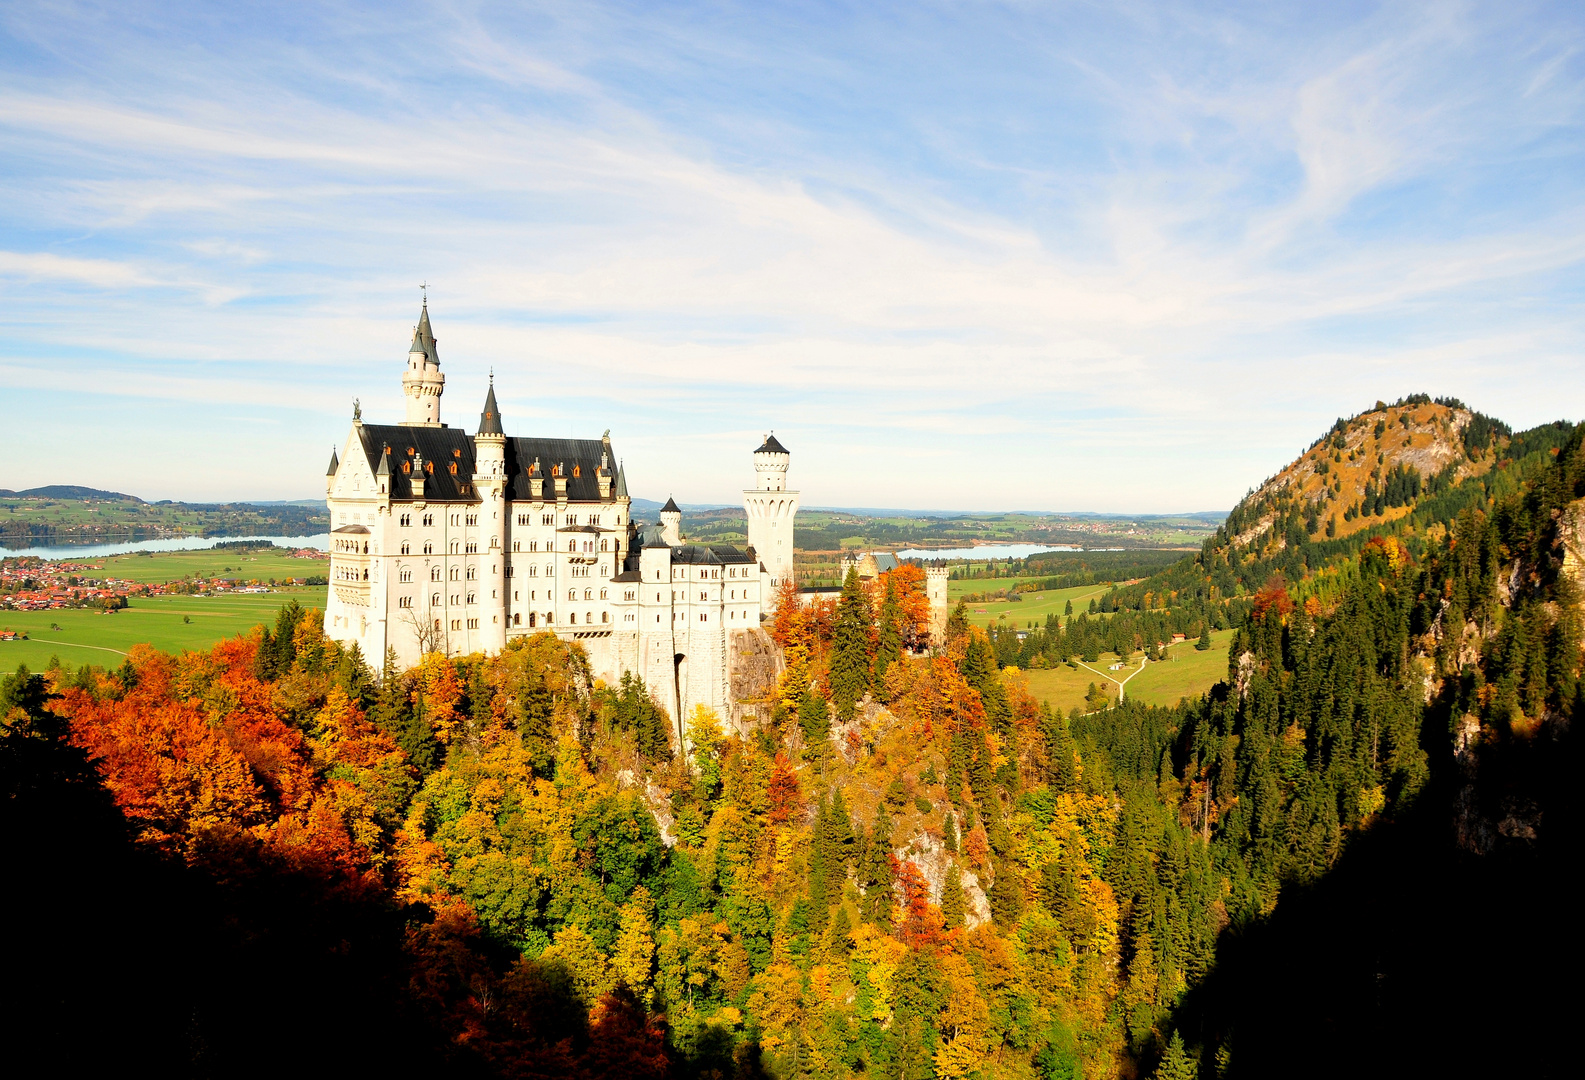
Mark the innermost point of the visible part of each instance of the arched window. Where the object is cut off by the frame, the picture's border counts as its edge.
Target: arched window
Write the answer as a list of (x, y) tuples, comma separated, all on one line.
[(572, 594), (573, 617)]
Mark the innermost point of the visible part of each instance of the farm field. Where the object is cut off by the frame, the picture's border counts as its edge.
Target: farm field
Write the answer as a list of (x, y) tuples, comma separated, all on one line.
[(91, 637), (241, 563), (1189, 673), (1034, 607)]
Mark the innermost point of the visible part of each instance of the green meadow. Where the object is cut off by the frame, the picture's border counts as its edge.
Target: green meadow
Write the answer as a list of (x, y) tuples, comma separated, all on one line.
[(244, 564), (1188, 674), (171, 623), (1033, 607)]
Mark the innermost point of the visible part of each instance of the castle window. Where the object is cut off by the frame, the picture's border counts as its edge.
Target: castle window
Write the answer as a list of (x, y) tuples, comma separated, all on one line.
[(455, 573), (406, 575), (530, 618), (456, 624), (619, 519), (473, 519), (407, 520), (547, 519), (572, 519), (603, 594), (572, 594), (573, 617), (533, 569), (517, 620), (473, 598), (703, 617), (454, 519), (429, 520), (628, 595), (434, 573), (517, 545), (472, 547), (405, 547), (473, 624), (588, 594), (405, 601), (429, 548), (434, 601), (473, 572), (602, 545), (454, 546), (594, 519)]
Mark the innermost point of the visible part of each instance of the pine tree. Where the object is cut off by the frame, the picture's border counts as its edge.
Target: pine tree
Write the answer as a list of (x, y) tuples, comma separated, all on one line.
[(1205, 638), (875, 871), (949, 832), (952, 906), (815, 720), (1175, 1063), (889, 640), (1007, 898), (850, 648)]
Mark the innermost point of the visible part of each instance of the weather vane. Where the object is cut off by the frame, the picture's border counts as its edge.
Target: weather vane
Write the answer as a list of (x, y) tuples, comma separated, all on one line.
[(424, 287)]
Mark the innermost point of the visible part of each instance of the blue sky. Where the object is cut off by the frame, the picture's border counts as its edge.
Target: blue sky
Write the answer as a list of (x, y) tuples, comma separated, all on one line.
[(1109, 256)]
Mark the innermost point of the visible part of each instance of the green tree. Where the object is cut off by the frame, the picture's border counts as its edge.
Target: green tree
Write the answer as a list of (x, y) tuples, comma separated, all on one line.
[(1205, 639), (1175, 1062), (889, 639), (850, 647), (952, 906)]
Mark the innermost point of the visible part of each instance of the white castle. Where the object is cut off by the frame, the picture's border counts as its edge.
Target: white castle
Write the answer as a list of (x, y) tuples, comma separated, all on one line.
[(442, 541)]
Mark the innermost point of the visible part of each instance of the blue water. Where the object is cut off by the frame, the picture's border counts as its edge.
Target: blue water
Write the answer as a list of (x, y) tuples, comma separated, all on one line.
[(319, 541), (985, 551)]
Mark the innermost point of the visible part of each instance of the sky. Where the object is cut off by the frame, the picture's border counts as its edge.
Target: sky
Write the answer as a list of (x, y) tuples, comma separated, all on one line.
[(1113, 257)]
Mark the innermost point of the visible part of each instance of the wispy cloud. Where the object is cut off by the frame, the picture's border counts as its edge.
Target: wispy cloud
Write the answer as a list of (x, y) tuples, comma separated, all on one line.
[(1076, 257)]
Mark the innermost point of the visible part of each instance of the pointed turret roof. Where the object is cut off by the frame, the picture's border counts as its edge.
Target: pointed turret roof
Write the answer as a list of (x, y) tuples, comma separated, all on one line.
[(772, 446), (385, 463), (424, 338), (335, 463), (670, 507), (490, 418), (621, 482)]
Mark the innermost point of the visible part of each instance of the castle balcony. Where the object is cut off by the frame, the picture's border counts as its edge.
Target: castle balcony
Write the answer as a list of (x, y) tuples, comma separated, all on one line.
[(349, 564)]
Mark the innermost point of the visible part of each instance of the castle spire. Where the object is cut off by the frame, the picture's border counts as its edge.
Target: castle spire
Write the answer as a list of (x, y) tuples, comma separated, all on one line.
[(490, 418)]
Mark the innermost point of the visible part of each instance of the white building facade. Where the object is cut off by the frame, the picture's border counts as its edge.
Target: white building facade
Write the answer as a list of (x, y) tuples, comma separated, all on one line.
[(457, 543)]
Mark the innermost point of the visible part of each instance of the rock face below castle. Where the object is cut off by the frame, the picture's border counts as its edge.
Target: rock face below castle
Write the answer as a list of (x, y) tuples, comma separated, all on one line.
[(447, 542)]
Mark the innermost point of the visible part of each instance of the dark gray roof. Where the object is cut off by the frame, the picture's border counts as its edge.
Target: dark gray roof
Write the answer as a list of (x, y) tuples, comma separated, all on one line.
[(621, 483), (772, 446), (709, 554), (440, 447), (670, 507), (424, 338), (629, 575), (650, 536), (885, 561), (335, 463), (359, 529), (579, 460), (443, 447), (490, 418)]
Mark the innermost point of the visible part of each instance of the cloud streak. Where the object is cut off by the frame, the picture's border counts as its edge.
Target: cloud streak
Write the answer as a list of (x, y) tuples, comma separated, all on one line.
[(1095, 260)]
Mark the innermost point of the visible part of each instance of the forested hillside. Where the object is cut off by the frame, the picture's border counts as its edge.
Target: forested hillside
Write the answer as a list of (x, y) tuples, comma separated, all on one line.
[(1346, 859)]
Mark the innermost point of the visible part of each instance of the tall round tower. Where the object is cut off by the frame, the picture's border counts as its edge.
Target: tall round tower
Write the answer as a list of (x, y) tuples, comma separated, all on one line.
[(422, 382), (771, 509), (489, 482)]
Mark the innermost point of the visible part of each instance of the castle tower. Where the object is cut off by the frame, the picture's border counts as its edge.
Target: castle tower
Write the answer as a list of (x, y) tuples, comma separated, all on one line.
[(771, 509), (936, 593), (489, 482), (422, 382), (671, 523)]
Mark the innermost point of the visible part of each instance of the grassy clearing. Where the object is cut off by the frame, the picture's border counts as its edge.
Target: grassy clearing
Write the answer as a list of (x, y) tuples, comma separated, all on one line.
[(89, 637), (1189, 674), (241, 563), (1034, 607)]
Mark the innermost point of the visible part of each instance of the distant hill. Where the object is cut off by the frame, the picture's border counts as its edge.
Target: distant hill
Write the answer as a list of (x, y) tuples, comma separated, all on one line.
[(68, 491), (1375, 468)]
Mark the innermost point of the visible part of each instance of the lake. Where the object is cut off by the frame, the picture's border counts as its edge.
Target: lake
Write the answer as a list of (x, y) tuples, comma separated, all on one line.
[(320, 541), (985, 551)]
